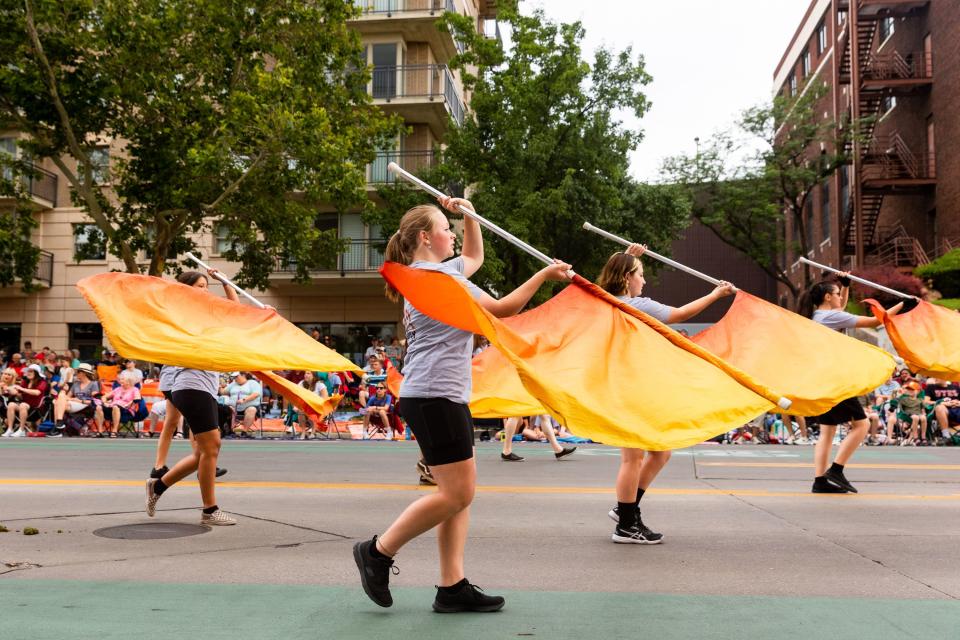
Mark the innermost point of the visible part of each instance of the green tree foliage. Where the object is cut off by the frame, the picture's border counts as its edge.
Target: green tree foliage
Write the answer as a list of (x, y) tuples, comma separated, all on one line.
[(944, 272), (749, 183), (18, 254), (544, 150), (245, 114)]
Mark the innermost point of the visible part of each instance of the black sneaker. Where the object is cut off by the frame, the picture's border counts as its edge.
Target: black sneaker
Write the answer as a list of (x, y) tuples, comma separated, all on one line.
[(159, 473), (53, 433), (566, 451), (837, 478), (374, 573), (470, 597), (639, 533), (221, 472), (510, 457), (822, 485)]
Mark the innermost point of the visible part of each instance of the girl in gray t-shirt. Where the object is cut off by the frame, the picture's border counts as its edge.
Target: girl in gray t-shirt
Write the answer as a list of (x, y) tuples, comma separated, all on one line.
[(828, 300), (622, 277), (433, 401)]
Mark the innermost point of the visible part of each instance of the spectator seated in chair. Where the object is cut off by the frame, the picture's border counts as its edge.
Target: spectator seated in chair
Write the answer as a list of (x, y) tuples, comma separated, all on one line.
[(124, 402), (79, 399), (29, 401), (378, 407), (310, 382), (244, 394), (946, 412), (8, 391)]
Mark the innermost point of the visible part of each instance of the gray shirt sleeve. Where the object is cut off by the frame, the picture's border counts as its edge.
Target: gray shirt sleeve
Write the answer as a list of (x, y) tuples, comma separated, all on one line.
[(650, 307), (836, 320)]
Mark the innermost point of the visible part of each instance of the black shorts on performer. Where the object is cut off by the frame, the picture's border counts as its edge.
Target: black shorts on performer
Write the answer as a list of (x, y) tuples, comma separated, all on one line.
[(847, 411), (443, 428), (199, 410)]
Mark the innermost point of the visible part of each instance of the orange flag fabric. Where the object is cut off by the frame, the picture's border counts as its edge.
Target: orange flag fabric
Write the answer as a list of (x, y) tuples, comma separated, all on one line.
[(814, 366), (305, 400), (156, 320), (927, 338), (604, 370)]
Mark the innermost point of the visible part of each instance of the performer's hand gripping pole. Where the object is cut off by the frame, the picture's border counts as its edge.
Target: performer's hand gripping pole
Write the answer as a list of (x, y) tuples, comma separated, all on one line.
[(393, 167), (224, 279), (652, 254), (879, 287)]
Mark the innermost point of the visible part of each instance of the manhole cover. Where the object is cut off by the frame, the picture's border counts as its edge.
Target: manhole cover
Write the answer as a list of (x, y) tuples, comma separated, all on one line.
[(151, 531)]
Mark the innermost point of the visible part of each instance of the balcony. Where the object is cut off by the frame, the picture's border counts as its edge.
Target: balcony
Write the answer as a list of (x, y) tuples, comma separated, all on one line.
[(887, 7), (360, 256), (900, 72), (419, 93), (44, 272), (413, 20), (890, 165), (42, 186), (412, 161)]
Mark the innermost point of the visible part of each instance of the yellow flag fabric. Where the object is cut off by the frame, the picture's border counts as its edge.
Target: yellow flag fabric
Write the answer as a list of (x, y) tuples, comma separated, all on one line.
[(927, 338), (498, 391), (156, 320), (306, 400), (812, 365), (598, 367)]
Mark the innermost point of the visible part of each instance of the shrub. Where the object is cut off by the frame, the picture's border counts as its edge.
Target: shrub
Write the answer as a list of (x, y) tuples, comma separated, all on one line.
[(890, 278), (945, 273)]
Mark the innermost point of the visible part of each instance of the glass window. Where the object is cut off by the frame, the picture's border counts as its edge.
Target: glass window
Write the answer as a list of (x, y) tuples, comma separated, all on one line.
[(887, 104), (100, 164), (384, 70), (87, 338), (887, 28), (89, 243), (793, 84), (825, 209), (821, 38), (352, 340), (221, 239), (8, 147), (805, 62)]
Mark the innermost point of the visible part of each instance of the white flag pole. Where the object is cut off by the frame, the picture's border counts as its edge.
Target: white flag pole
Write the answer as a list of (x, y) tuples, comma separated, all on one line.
[(879, 287), (224, 279)]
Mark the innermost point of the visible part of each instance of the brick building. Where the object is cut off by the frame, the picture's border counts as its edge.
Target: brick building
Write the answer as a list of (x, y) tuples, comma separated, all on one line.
[(409, 57), (898, 202)]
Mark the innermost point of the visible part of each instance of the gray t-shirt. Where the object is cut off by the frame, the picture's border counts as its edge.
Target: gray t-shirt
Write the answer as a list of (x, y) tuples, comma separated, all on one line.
[(82, 391), (198, 380), (438, 355), (167, 374), (834, 319), (650, 307)]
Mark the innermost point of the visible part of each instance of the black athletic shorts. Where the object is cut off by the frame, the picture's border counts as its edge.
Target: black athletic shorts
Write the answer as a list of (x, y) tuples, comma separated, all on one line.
[(847, 411), (443, 428), (199, 409)]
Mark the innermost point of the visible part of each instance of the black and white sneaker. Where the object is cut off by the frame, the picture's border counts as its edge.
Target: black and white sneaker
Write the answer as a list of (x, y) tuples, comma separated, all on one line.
[(426, 477), (374, 573), (837, 478), (639, 533), (53, 433), (469, 597)]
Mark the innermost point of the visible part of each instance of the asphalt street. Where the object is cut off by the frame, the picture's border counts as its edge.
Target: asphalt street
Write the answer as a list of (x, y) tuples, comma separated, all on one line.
[(748, 551)]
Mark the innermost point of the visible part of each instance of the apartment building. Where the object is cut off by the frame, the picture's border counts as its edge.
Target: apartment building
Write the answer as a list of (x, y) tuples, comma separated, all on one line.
[(411, 77), (898, 202)]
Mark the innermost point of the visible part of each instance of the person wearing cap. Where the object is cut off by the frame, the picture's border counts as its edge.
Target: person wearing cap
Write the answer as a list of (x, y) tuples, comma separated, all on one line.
[(79, 400), (245, 395), (31, 400)]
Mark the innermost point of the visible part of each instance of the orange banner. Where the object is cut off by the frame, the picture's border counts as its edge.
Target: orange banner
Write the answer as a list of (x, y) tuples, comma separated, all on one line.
[(602, 369), (305, 400), (814, 366), (927, 338)]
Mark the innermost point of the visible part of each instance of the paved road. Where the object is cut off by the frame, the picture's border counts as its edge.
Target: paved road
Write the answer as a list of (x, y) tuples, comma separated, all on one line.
[(749, 553)]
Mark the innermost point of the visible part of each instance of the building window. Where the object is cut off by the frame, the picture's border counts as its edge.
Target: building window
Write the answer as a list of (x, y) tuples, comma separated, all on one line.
[(221, 239), (887, 104), (793, 84), (825, 209), (821, 38), (805, 63), (89, 243), (100, 165), (87, 338), (887, 29)]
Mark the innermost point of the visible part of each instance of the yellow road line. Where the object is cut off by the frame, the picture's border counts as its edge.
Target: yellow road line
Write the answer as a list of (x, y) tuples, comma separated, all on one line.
[(809, 465), (365, 486)]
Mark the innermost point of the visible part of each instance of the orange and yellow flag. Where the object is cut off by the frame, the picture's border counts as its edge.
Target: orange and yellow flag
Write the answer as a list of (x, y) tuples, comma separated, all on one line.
[(927, 338), (156, 320), (305, 400), (602, 369), (814, 366)]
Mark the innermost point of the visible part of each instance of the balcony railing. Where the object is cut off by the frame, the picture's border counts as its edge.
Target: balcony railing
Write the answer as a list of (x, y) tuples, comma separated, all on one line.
[(430, 81), (42, 184), (389, 7), (358, 257), (44, 272), (895, 66), (412, 161), (889, 158)]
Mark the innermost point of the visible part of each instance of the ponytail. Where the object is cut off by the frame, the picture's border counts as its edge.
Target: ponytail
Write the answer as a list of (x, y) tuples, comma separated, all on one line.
[(403, 244), (815, 295)]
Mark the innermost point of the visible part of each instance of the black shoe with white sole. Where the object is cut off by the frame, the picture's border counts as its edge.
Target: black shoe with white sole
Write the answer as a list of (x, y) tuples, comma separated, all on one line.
[(468, 597), (639, 533)]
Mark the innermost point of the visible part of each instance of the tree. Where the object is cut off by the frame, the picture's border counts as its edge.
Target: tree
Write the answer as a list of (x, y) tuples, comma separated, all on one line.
[(746, 186), (18, 254), (544, 150), (248, 115)]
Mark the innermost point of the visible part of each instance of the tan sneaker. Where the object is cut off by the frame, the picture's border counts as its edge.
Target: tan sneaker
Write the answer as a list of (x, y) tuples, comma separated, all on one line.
[(217, 518), (151, 497)]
